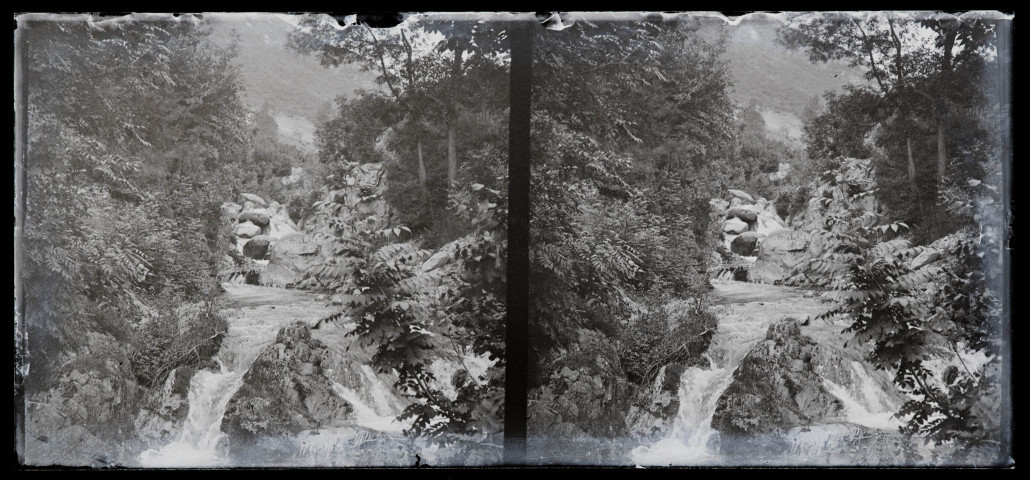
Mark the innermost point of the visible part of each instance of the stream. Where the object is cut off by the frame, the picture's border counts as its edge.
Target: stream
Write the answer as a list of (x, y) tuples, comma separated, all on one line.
[(745, 311), (255, 316)]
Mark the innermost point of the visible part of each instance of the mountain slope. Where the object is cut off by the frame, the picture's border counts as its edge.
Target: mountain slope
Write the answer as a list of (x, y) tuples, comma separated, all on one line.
[(780, 81), (295, 87)]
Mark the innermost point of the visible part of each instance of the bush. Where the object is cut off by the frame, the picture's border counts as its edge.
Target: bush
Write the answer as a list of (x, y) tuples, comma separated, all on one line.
[(669, 332)]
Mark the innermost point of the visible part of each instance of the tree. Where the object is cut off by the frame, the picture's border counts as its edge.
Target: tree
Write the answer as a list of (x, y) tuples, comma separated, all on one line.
[(627, 116), (424, 73), (920, 90), (134, 131)]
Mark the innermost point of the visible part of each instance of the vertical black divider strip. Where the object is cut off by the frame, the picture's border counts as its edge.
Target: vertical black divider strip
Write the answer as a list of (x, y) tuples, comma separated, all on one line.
[(517, 331), (1004, 52), (21, 157)]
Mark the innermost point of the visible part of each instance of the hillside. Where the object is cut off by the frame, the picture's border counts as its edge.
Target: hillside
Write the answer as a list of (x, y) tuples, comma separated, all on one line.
[(780, 81), (296, 87)]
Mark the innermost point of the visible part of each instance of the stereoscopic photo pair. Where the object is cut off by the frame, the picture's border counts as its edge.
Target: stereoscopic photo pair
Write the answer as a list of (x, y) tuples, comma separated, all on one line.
[(269, 240)]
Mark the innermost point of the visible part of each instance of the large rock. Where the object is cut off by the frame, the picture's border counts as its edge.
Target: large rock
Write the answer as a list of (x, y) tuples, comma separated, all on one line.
[(257, 218), (247, 230), (285, 392), (745, 244), (776, 387), (742, 195), (778, 254), (585, 393), (256, 200), (925, 258), (296, 253), (845, 203), (744, 214), (257, 247), (734, 226), (231, 209), (294, 244)]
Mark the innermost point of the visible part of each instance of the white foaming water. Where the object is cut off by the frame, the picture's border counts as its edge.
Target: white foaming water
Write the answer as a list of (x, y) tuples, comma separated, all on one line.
[(688, 444), (366, 415), (742, 325), (263, 311), (210, 392), (866, 403)]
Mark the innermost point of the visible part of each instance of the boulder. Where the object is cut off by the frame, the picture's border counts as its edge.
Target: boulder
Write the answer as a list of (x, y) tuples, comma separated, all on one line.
[(285, 392), (745, 244), (295, 251), (231, 209), (719, 205), (925, 258), (778, 254), (734, 226), (735, 201), (746, 215), (742, 195), (257, 218), (439, 259), (256, 200), (257, 247), (776, 387), (247, 230)]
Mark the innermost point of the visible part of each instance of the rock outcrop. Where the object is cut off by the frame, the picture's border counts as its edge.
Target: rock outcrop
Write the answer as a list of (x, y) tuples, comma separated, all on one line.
[(777, 386), (779, 254), (585, 395), (257, 247), (745, 224), (745, 243), (84, 416), (284, 392)]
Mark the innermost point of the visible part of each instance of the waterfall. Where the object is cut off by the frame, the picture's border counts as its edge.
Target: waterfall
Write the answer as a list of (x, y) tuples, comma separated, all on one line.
[(260, 313), (210, 391), (745, 312), (688, 443)]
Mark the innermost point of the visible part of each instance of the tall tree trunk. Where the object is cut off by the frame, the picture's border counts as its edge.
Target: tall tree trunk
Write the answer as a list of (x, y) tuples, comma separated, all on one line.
[(911, 166), (452, 117), (948, 44), (452, 155), (942, 153), (421, 166)]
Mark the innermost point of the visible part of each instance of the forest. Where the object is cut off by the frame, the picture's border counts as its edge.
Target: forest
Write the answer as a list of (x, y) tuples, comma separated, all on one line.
[(199, 288)]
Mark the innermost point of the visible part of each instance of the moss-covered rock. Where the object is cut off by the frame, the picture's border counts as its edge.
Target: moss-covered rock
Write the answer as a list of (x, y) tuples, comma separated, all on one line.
[(585, 395), (776, 387), (284, 392)]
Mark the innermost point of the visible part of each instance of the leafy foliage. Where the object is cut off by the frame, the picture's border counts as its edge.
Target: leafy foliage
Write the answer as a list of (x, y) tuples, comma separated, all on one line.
[(415, 318), (915, 318), (134, 128), (628, 118), (921, 119)]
